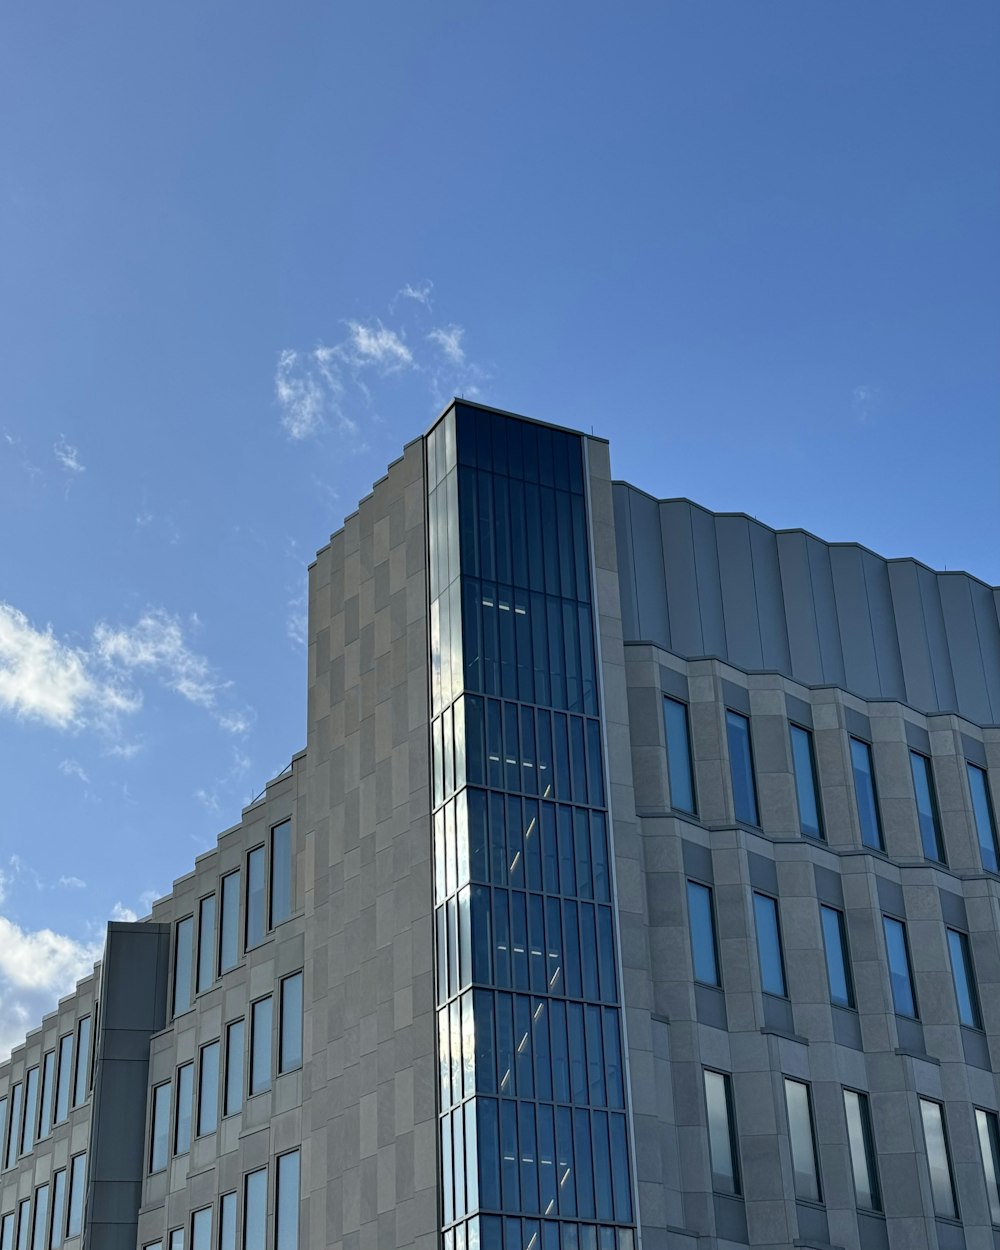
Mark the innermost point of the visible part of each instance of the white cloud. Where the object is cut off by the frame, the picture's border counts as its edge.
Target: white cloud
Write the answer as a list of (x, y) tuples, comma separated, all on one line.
[(123, 914), (375, 344), (72, 883), (219, 793), (68, 456), (300, 396), (73, 768), (421, 292), (449, 339), (864, 399)]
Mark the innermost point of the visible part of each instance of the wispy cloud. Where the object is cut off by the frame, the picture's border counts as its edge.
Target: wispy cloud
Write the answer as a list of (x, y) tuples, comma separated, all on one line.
[(67, 687), (68, 456), (72, 883), (73, 768), (332, 386), (218, 794), (864, 400)]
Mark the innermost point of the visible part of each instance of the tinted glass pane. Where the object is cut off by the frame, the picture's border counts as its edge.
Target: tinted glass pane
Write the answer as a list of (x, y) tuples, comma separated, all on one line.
[(201, 1229), (927, 814), (260, 1046), (290, 1033), (208, 1089), (65, 1069), (177, 1239), (859, 1135), (235, 1041), (227, 1222), (7, 1232), (255, 897), (986, 829), (989, 1149), (772, 967), (864, 792), (77, 1178), (229, 944), (837, 967), (182, 1113), (899, 967), (800, 1134), (206, 942), (183, 955), (81, 1076), (702, 925), (675, 717), (725, 1178), (255, 1211), (281, 872), (159, 1143), (23, 1224), (58, 1214), (41, 1218), (741, 767), (16, 1102), (962, 974), (45, 1097), (805, 782), (942, 1189), (286, 1220), (30, 1110)]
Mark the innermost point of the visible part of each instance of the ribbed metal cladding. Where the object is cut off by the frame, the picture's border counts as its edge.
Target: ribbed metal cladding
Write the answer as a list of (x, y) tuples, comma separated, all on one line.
[(534, 1139)]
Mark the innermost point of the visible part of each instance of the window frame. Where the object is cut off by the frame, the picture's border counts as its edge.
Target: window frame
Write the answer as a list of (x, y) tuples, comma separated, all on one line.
[(876, 806), (868, 1146), (198, 1130), (819, 835), (687, 764), (282, 1065), (775, 911), (151, 1159), (734, 1139), (732, 715), (273, 921), (955, 1214), (252, 1045), (969, 974), (992, 1125), (814, 1144), (179, 1100), (915, 1014), (934, 815), (990, 813), (261, 850), (234, 897), (695, 947), (175, 965), (845, 955), (242, 1076), (200, 964)]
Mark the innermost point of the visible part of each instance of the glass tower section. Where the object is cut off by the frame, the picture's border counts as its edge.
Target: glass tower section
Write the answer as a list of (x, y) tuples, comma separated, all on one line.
[(534, 1137)]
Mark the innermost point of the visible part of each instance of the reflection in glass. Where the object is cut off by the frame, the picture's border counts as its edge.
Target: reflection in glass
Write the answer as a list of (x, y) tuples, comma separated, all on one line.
[(862, 1144), (290, 1028), (255, 1210), (208, 1089), (806, 788), (900, 976), (864, 793), (227, 1221), (964, 979), (260, 1046), (927, 810), (837, 962), (986, 825), (183, 956), (989, 1149), (801, 1140), (741, 768), (772, 964), (701, 922), (229, 953), (255, 897), (159, 1142), (182, 1113), (235, 1041), (286, 1220), (721, 1133), (281, 872), (675, 717), (938, 1161)]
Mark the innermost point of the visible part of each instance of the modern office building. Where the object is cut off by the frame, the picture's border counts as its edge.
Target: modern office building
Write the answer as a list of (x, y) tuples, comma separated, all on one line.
[(637, 887)]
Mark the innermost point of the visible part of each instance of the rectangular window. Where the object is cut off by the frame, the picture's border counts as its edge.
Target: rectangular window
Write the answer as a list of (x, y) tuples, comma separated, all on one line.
[(7, 1231), (183, 957), (182, 1112), (208, 1089), (176, 1240), (938, 1159), (286, 1203), (838, 964), (721, 1133), (679, 770), (255, 897), (77, 1180), (40, 1222), (30, 1110), (159, 1136), (927, 808), (989, 1150), (290, 1024), (900, 975), (206, 942), (227, 1221), (281, 872), (23, 1223), (81, 1075), (201, 1229), (772, 963), (741, 768), (862, 1144), (804, 760), (802, 1140), (235, 1044), (866, 795), (255, 1210), (964, 979), (229, 921), (45, 1098), (63, 1075), (16, 1102), (58, 1213), (986, 825), (260, 1046), (701, 921)]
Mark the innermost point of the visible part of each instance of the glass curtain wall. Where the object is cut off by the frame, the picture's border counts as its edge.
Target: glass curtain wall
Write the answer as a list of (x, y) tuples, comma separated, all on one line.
[(534, 1141)]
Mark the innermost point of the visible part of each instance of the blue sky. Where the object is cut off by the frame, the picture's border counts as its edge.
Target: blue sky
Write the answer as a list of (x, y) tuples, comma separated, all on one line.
[(249, 250)]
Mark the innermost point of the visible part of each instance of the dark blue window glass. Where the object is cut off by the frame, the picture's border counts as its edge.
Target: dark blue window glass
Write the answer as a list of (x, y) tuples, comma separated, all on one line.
[(837, 962), (701, 921), (865, 794), (900, 976), (721, 1133), (927, 810), (964, 978), (741, 768), (986, 827), (806, 788), (772, 964), (675, 717)]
